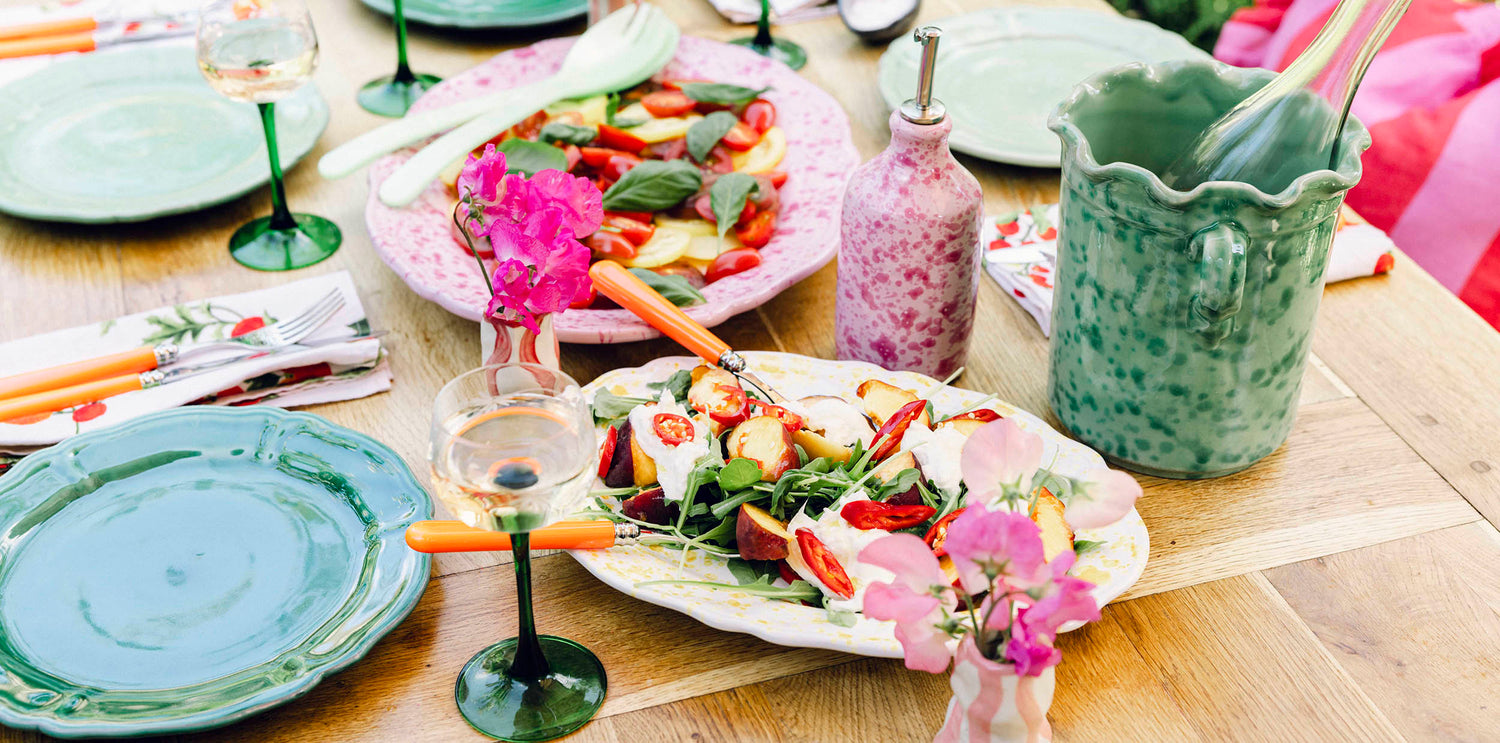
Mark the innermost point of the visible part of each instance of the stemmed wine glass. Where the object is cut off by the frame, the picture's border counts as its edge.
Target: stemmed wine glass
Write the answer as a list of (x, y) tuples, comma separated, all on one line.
[(513, 450), (259, 51), (781, 50), (393, 95)]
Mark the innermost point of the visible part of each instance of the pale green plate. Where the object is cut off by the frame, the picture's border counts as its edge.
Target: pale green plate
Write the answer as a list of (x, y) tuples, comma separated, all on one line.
[(485, 13), (1001, 71), (191, 568), (135, 133)]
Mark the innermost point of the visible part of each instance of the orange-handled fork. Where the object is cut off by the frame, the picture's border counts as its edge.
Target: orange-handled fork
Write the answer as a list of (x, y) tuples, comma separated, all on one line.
[(613, 281), (456, 536)]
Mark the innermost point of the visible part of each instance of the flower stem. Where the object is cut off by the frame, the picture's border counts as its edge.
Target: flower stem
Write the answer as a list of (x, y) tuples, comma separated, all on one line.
[(469, 241)]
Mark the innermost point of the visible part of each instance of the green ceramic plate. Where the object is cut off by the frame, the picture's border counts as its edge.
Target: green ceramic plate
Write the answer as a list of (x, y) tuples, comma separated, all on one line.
[(136, 133), (190, 568), (485, 13), (1001, 71)]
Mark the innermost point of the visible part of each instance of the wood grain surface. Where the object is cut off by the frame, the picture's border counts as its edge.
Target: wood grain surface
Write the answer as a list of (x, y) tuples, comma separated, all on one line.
[(1346, 588)]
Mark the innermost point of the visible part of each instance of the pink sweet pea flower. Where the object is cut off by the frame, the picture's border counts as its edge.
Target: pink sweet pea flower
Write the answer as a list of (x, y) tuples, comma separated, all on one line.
[(1031, 654), (1065, 599), (481, 176), (999, 455), (579, 199), (1003, 543), (910, 601), (1101, 498)]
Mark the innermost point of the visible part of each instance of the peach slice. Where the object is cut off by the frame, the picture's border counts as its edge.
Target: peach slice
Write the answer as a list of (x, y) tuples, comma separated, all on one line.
[(882, 400), (759, 535), (765, 441)]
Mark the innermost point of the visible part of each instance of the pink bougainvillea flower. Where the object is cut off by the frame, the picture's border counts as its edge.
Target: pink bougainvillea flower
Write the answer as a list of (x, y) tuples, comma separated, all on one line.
[(1101, 498), (909, 600), (999, 455), (983, 542)]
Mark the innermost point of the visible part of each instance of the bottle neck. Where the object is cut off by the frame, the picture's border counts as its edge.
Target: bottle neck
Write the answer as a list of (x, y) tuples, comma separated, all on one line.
[(920, 138), (1334, 63)]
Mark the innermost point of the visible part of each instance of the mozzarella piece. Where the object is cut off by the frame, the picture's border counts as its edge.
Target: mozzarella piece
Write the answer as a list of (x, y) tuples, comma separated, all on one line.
[(939, 453), (844, 542), (673, 463)]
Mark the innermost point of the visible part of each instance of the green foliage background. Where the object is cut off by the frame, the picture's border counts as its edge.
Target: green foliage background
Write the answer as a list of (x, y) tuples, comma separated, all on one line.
[(1198, 21)]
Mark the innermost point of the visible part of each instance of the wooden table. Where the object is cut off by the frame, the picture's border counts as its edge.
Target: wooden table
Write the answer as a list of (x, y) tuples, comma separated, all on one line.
[(1346, 588)]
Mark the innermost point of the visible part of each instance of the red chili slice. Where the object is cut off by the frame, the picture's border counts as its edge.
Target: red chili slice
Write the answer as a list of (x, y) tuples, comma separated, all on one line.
[(888, 438), (869, 514), (787, 573), (824, 564), (673, 429), (789, 420), (735, 407), (938, 534), (607, 449), (984, 415)]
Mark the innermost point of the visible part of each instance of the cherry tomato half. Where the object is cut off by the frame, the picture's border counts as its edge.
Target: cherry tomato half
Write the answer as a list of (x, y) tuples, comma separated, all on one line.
[(635, 231), (705, 208), (732, 262), (611, 244), (620, 139), (778, 177), (667, 103), (760, 115), (588, 299), (823, 564), (646, 217), (677, 84), (607, 449), (598, 157), (869, 514), (757, 232), (673, 429), (938, 534), (741, 137), (888, 438)]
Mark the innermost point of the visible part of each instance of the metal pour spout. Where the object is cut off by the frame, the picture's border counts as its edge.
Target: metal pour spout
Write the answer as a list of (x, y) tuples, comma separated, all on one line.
[(924, 109)]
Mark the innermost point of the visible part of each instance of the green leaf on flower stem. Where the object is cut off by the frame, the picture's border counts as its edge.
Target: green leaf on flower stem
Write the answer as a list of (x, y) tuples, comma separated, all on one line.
[(678, 383), (568, 134), (652, 186), (675, 288), (738, 474), (529, 158), (727, 197), (721, 93), (707, 131)]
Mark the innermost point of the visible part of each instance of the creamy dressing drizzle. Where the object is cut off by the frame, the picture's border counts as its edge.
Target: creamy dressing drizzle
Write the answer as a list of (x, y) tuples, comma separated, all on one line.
[(673, 463)]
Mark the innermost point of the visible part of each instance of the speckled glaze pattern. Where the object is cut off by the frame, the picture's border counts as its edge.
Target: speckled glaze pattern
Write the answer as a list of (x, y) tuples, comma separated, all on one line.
[(1182, 321), (909, 255), (417, 241)]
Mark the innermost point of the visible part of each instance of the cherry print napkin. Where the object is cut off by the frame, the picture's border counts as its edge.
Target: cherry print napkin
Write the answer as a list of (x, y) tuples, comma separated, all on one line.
[(1020, 253), (144, 21), (326, 372)]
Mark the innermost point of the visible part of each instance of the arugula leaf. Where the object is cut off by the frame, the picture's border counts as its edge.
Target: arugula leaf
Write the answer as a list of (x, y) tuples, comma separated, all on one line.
[(1083, 545), (840, 617), (675, 288), (721, 93), (568, 134), (707, 131), (652, 186), (798, 591), (610, 408), (678, 384), (529, 158), (902, 482), (704, 472), (728, 196), (738, 474), (749, 571)]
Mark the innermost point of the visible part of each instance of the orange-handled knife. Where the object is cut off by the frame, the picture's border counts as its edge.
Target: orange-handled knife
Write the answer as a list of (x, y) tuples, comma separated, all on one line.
[(67, 397), (32, 46), (134, 361), (613, 281), (54, 27), (456, 536)]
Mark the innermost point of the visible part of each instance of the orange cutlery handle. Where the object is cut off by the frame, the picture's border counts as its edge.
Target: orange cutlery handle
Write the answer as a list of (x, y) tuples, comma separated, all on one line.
[(456, 536), (613, 281), (54, 400), (49, 28), (31, 47), (134, 361)]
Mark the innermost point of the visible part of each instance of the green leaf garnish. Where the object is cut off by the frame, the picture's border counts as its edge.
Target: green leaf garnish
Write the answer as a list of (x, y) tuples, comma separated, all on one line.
[(738, 474), (569, 134), (652, 186), (728, 196), (609, 408), (675, 288), (677, 384), (706, 132), (721, 93), (1082, 545), (529, 158)]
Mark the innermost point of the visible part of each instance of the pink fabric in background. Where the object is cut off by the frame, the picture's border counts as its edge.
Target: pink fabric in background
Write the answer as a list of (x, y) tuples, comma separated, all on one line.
[(1432, 102)]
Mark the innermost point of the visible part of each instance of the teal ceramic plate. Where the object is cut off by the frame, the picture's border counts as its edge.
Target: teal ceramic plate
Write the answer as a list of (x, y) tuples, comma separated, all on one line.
[(136, 133), (485, 13), (190, 568), (1001, 71)]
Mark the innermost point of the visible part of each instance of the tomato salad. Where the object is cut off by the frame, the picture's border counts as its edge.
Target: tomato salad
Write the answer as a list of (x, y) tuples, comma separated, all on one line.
[(688, 173)]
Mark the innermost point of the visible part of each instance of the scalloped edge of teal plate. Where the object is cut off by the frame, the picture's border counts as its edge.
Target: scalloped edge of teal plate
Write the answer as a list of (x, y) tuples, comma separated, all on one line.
[(896, 71), (404, 602), (295, 142), (495, 19)]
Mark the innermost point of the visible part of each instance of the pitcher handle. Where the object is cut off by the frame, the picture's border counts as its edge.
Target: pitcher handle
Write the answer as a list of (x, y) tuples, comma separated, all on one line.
[(1220, 252)]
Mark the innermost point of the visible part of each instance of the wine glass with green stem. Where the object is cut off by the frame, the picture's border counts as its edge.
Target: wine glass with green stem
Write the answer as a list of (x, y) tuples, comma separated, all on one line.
[(260, 53), (392, 95), (781, 50), (512, 449)]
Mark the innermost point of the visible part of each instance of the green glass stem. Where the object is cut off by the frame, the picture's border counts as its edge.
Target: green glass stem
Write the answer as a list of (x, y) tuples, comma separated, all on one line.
[(281, 216), (763, 26), (403, 70), (529, 662)]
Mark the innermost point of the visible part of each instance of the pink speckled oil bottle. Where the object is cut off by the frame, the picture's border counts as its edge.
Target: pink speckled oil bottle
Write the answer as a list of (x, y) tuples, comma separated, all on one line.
[(909, 250)]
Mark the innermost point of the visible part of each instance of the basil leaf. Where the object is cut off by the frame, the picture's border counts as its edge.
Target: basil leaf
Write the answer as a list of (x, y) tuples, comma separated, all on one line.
[(728, 196), (652, 186), (675, 288), (678, 383), (568, 134), (529, 158), (721, 93), (611, 108), (738, 474), (707, 131)]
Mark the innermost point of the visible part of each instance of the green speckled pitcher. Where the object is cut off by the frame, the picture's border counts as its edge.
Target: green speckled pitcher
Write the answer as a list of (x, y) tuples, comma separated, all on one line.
[(1182, 320)]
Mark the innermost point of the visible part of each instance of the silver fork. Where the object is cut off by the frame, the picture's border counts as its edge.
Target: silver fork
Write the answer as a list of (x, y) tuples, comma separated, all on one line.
[(277, 335)]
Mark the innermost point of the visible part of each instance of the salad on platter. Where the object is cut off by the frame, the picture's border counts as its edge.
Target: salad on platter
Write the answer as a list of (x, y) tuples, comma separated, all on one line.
[(788, 492), (688, 173)]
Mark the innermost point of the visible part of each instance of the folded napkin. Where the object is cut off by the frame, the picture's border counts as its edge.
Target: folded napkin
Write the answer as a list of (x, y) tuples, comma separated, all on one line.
[(1020, 253), (149, 20), (782, 11), (317, 374)]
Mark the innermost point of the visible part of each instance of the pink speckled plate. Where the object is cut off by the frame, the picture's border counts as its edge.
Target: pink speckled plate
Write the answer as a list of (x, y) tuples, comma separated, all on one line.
[(417, 243)]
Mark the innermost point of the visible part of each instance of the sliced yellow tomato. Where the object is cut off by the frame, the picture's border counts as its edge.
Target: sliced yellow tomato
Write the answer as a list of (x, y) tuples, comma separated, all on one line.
[(449, 175), (654, 129), (591, 109), (764, 156), (694, 227), (708, 247), (665, 246)]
